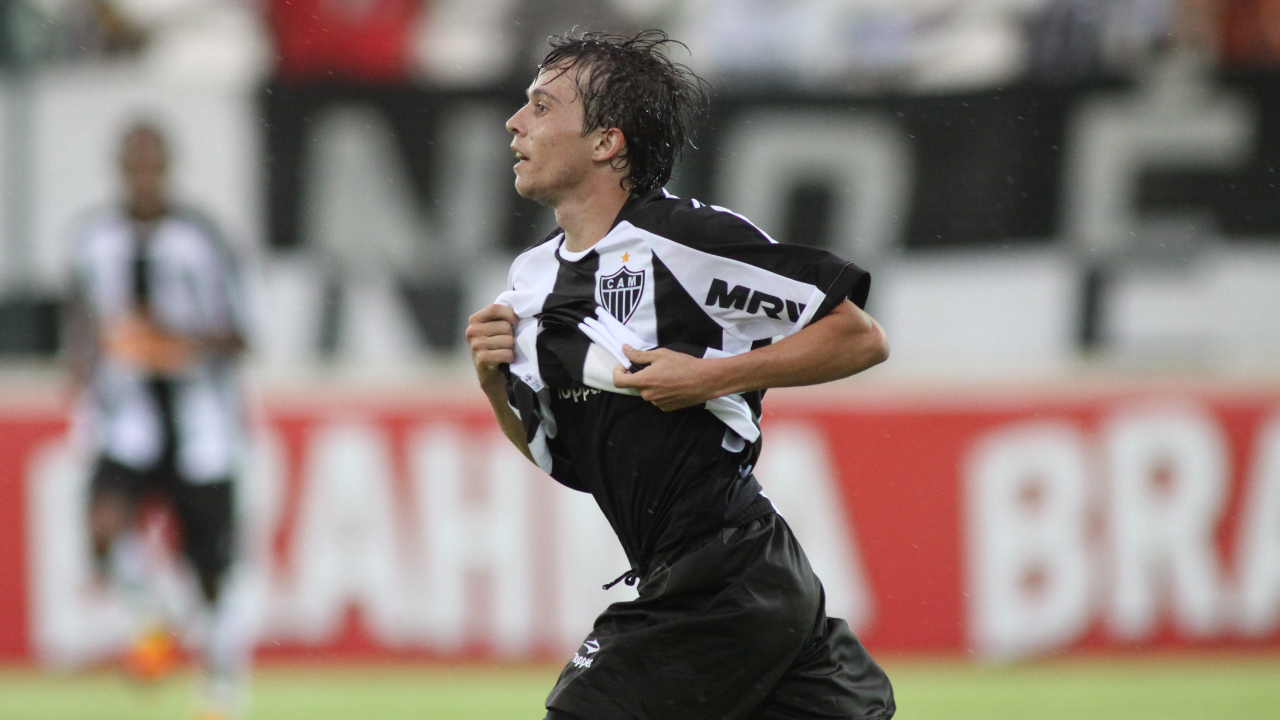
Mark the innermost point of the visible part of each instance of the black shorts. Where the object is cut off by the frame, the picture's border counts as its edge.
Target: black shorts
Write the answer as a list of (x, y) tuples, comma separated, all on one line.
[(204, 511), (735, 628)]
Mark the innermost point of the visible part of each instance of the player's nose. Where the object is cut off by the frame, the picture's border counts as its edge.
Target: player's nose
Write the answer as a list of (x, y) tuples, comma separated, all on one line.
[(514, 124)]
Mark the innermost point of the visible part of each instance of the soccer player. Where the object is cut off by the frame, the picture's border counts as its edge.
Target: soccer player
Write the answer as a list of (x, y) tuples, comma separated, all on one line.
[(159, 324), (628, 359)]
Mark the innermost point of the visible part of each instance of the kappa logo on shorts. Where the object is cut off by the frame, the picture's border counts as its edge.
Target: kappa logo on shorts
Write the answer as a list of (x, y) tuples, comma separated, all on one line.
[(620, 293), (591, 647)]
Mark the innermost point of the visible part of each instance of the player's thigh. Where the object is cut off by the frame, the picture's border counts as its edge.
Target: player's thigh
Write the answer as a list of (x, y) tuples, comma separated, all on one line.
[(833, 679), (114, 490), (709, 636)]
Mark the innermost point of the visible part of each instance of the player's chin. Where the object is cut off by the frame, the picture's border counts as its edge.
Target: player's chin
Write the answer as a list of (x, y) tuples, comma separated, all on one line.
[(530, 190), (527, 190)]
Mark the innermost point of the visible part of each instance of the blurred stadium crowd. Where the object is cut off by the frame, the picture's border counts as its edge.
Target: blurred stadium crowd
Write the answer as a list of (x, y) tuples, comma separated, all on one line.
[(1032, 181), (910, 45)]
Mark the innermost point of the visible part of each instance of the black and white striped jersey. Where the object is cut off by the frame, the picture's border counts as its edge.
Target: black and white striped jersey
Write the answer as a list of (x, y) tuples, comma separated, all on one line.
[(676, 274)]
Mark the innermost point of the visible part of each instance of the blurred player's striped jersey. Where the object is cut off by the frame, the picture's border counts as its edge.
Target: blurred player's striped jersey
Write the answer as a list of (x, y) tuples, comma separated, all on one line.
[(180, 272)]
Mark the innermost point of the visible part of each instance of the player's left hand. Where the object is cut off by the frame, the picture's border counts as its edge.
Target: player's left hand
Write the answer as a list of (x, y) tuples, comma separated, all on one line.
[(672, 380)]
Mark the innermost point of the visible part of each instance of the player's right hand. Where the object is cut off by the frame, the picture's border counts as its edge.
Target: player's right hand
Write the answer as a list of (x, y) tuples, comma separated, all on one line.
[(491, 335)]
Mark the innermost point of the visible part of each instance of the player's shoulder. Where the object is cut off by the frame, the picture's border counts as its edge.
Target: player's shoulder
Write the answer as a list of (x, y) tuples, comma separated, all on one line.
[(691, 222), (100, 235), (197, 220), (197, 225), (536, 254), (200, 234)]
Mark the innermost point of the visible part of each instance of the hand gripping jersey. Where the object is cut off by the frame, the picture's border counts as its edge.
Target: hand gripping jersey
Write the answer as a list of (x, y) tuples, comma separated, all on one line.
[(674, 274)]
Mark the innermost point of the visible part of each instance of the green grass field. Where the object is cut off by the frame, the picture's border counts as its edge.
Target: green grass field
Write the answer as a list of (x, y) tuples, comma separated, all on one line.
[(1202, 688)]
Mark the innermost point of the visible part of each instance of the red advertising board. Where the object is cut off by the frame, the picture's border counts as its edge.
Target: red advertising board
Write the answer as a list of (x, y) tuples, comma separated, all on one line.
[(999, 526)]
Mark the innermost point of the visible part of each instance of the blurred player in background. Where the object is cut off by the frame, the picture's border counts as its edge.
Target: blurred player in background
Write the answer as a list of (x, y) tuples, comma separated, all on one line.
[(157, 328), (628, 359)]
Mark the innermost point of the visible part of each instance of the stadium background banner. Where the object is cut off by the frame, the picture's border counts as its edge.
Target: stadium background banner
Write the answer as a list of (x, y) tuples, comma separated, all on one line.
[(998, 526)]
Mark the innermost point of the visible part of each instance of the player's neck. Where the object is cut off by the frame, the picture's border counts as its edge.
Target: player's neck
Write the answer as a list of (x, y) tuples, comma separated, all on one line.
[(147, 209), (586, 218)]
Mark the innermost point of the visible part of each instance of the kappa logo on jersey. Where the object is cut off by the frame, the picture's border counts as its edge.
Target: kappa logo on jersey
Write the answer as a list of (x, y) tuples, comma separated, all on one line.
[(620, 293), (744, 298), (577, 394)]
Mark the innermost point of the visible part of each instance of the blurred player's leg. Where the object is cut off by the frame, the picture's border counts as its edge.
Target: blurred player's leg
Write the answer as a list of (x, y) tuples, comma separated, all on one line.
[(153, 652), (226, 651), (121, 555), (224, 634)]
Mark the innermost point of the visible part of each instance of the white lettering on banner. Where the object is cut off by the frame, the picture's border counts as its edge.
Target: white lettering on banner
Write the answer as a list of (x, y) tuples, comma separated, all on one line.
[(73, 621), (1260, 537), (1168, 475), (1027, 499), (408, 554), (346, 549), (459, 537), (795, 470), (437, 462)]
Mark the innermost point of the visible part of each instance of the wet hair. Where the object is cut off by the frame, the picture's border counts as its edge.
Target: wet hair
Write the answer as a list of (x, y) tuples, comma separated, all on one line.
[(628, 82)]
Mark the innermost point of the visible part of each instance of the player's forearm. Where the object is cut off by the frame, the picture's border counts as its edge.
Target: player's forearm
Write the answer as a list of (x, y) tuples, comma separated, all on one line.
[(843, 343), (507, 419)]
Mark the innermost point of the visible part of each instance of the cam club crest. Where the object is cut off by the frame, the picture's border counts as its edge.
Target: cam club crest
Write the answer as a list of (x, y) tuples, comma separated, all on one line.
[(620, 293)]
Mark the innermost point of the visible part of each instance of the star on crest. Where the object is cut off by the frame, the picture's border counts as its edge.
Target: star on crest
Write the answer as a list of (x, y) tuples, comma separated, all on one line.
[(626, 256)]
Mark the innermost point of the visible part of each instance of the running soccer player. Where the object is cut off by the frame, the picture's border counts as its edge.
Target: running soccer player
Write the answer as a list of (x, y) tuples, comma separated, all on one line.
[(159, 324), (628, 359)]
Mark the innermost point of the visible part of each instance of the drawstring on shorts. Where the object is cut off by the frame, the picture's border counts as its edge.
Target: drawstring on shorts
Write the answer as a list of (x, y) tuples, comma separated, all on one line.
[(629, 577), (759, 507)]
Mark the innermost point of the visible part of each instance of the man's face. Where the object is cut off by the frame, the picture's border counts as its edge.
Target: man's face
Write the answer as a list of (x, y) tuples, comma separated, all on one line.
[(144, 164), (553, 157)]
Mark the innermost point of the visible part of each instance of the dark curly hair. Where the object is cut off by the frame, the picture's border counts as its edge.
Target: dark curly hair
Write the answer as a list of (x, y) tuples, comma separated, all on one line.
[(632, 85)]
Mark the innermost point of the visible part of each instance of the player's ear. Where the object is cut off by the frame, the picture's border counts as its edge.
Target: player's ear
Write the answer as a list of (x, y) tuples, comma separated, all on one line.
[(610, 144)]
